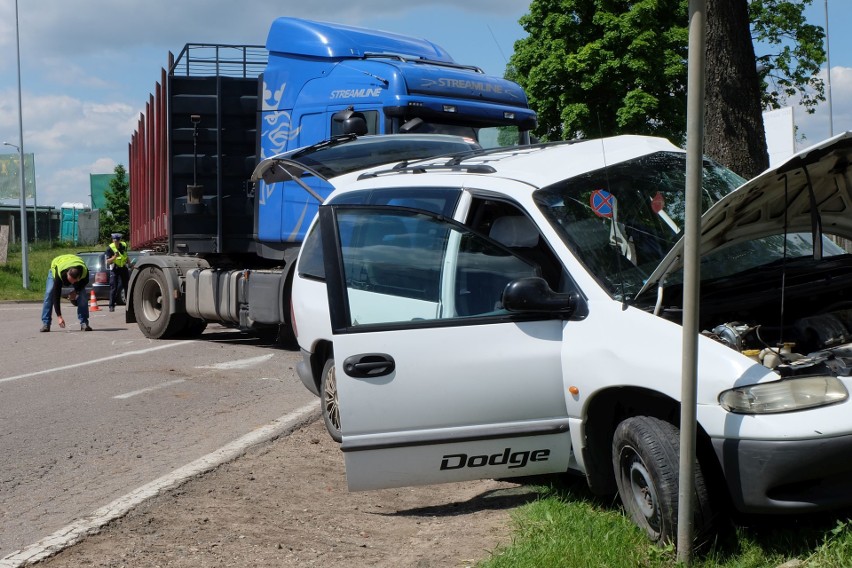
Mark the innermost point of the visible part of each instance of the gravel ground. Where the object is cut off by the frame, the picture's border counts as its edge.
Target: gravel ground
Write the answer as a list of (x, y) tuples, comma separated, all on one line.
[(285, 503)]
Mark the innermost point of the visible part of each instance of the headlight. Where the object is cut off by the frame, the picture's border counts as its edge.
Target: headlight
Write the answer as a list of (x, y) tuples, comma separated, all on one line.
[(784, 396)]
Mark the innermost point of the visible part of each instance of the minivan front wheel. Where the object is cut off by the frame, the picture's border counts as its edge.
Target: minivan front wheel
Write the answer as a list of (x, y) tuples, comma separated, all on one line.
[(645, 458), (329, 401)]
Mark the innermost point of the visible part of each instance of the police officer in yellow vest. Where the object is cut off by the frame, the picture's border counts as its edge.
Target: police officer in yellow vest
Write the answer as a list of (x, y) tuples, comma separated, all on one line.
[(117, 259), (66, 270)]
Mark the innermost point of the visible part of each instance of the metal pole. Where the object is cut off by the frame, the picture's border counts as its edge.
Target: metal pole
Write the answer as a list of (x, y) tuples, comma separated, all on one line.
[(689, 380), (828, 74), (35, 206), (25, 269)]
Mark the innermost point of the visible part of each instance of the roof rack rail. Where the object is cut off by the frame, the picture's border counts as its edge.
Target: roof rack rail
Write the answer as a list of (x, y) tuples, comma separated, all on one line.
[(456, 162), (423, 168)]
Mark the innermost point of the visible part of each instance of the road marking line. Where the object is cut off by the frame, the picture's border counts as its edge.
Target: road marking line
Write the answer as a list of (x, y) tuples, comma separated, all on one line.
[(149, 389), (92, 524), (92, 362), (238, 364)]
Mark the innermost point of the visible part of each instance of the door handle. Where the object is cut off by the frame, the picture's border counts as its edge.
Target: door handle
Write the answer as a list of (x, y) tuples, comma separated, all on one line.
[(368, 365)]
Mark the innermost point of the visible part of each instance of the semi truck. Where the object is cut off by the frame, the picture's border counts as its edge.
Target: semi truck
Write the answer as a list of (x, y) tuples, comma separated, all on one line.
[(228, 243)]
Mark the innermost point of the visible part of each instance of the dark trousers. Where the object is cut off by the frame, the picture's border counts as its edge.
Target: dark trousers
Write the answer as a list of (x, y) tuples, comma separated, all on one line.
[(118, 285)]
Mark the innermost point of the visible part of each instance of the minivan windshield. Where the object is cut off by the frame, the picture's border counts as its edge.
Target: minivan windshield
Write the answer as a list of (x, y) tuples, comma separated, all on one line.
[(620, 221)]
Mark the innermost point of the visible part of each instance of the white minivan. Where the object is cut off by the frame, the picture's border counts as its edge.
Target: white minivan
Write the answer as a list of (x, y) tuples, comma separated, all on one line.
[(517, 312)]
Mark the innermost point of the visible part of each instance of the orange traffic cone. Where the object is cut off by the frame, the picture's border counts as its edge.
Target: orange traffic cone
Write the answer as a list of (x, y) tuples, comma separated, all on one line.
[(93, 303)]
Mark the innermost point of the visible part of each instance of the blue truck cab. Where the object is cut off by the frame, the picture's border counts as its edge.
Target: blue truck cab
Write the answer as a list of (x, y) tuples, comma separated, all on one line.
[(320, 73)]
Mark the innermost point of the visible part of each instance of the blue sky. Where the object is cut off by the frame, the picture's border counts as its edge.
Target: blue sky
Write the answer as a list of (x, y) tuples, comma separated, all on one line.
[(87, 67)]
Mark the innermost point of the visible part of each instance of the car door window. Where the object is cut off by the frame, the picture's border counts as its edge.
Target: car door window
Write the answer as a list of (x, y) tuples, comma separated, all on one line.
[(436, 200), (402, 265)]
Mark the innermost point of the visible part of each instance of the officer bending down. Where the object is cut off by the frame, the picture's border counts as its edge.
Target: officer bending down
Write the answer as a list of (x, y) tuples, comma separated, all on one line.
[(66, 270)]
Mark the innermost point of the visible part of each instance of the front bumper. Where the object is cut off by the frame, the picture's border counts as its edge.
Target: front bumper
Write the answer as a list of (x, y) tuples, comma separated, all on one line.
[(794, 476)]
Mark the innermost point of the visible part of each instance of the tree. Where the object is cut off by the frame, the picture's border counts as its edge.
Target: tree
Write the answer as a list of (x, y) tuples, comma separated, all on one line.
[(115, 217), (740, 85), (733, 120), (604, 67), (598, 67)]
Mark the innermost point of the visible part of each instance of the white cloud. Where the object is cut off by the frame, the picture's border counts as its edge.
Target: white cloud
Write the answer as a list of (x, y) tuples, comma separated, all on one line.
[(815, 127), (59, 25), (63, 130), (88, 67)]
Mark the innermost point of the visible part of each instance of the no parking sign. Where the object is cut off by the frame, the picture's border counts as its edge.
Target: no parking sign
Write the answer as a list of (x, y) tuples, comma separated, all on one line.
[(602, 203)]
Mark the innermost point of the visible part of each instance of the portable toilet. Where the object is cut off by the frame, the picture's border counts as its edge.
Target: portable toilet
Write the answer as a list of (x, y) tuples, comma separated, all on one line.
[(69, 230)]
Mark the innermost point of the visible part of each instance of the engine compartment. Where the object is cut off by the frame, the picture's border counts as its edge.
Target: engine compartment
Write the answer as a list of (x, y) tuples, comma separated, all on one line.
[(778, 314)]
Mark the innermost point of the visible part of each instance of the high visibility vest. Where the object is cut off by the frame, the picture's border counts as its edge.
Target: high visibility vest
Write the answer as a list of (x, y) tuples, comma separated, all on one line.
[(120, 257), (63, 262)]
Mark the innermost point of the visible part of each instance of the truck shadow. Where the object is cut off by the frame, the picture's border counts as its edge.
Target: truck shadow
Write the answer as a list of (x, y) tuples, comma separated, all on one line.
[(216, 333)]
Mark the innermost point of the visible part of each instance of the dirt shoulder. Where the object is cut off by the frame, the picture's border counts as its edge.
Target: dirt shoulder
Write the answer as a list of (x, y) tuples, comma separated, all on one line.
[(285, 503)]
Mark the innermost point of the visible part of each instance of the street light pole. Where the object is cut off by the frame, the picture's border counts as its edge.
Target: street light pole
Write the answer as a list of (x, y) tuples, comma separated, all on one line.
[(25, 269), (828, 74)]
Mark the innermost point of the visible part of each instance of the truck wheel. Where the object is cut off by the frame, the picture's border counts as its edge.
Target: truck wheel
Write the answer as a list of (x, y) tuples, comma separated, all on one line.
[(645, 458), (330, 402), (151, 304)]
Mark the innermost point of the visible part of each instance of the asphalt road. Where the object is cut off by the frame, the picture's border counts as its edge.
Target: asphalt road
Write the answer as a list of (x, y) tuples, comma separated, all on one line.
[(86, 418)]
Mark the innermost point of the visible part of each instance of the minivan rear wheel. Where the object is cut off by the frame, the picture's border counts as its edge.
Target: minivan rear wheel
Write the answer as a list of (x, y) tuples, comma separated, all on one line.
[(330, 401)]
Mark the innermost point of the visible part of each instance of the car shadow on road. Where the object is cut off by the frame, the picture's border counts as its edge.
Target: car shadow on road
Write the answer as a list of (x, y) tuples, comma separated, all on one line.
[(492, 500), (525, 490)]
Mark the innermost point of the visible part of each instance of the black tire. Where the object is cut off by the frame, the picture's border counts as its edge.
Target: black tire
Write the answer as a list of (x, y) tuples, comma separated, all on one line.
[(152, 307), (194, 328), (330, 402), (645, 459)]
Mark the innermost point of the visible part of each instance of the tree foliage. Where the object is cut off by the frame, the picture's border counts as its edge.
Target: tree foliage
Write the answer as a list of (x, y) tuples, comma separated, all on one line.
[(604, 67), (115, 217), (794, 52)]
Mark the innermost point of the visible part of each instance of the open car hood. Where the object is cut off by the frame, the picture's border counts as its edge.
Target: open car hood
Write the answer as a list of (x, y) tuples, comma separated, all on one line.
[(811, 192)]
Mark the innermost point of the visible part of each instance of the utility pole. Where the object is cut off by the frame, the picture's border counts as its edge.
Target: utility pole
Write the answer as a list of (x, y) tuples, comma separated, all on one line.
[(828, 74), (25, 268)]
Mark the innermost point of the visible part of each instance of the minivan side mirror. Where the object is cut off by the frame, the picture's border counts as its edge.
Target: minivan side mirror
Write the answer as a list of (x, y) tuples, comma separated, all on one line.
[(533, 294)]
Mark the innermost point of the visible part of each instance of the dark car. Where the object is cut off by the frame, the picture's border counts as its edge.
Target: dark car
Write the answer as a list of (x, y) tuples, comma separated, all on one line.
[(100, 274)]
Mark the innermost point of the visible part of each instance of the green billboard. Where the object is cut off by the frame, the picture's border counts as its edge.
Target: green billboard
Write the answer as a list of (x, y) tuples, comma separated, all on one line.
[(10, 183), (98, 185)]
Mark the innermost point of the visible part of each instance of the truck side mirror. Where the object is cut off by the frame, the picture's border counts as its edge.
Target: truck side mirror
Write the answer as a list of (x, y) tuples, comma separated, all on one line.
[(353, 122)]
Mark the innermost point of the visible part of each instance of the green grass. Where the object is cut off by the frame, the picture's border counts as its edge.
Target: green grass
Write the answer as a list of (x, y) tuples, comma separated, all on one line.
[(567, 527), (39, 257)]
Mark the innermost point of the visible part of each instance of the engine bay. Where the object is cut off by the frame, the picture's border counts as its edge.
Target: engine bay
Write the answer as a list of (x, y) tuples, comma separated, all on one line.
[(789, 315)]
